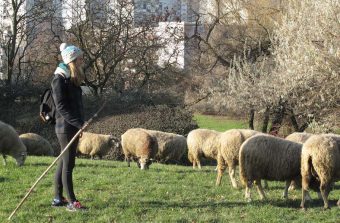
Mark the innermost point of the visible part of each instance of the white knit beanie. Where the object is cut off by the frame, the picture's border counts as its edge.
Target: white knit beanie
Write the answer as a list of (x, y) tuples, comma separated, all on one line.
[(69, 53)]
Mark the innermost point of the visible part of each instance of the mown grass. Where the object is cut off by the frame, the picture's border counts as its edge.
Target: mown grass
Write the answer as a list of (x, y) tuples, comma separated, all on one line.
[(165, 193), (219, 123)]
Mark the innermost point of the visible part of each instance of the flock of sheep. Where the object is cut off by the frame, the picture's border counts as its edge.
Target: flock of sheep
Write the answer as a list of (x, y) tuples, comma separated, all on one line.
[(309, 160)]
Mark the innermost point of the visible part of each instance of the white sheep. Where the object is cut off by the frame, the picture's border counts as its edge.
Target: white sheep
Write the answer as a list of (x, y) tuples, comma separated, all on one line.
[(10, 144), (202, 143), (320, 159), (96, 144), (299, 137), (271, 158), (171, 147), (228, 152), (36, 145), (138, 144)]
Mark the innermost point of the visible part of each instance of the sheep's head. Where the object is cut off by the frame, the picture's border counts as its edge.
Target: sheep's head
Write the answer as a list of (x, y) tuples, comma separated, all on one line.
[(20, 158), (115, 142), (144, 163)]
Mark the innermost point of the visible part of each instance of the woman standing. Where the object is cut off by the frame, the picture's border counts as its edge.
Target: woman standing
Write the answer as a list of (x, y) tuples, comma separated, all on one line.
[(67, 96)]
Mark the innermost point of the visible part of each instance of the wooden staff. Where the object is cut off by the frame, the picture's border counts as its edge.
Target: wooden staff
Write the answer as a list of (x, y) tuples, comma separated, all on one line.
[(62, 152)]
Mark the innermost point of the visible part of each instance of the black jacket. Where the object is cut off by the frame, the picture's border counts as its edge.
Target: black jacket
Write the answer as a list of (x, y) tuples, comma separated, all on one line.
[(69, 105)]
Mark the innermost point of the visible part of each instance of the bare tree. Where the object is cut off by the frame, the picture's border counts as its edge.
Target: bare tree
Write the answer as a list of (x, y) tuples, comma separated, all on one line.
[(232, 31), (121, 54), (18, 39)]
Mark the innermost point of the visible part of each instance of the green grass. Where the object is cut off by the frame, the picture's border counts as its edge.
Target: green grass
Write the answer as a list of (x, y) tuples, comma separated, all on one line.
[(219, 123), (166, 193)]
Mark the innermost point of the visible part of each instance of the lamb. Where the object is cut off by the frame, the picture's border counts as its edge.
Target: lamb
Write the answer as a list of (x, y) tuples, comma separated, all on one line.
[(36, 145), (202, 143), (320, 159), (96, 144), (271, 158), (228, 152), (10, 144), (171, 147), (137, 143)]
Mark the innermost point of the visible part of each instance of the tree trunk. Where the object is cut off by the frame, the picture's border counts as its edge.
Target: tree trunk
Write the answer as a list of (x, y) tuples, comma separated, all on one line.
[(279, 114), (294, 123), (251, 119), (265, 120)]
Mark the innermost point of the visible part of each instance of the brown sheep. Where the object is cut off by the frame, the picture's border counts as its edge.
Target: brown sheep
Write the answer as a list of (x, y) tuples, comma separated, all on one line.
[(320, 159), (96, 144), (299, 137), (228, 152), (137, 143), (171, 147), (202, 143), (36, 145)]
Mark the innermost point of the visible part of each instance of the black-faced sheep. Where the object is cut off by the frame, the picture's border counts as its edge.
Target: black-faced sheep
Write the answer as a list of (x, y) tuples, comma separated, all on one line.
[(202, 143), (10, 144), (138, 144), (36, 145), (320, 159), (96, 144), (228, 152), (270, 158), (171, 147)]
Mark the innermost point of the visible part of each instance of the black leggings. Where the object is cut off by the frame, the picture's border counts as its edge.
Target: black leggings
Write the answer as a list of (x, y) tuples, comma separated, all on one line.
[(63, 175)]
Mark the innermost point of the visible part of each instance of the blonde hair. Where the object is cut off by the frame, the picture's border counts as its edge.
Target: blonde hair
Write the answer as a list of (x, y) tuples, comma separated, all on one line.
[(77, 74)]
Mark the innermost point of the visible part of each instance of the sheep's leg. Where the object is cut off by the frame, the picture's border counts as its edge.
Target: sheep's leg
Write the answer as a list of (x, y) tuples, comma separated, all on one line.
[(292, 185), (285, 192), (198, 164), (127, 159), (324, 188), (265, 184), (4, 160), (260, 189), (308, 197), (247, 191), (303, 199), (194, 163), (220, 169), (338, 203), (232, 175)]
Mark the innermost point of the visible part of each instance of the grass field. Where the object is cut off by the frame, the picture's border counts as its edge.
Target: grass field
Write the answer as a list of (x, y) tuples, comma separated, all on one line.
[(219, 123), (166, 193)]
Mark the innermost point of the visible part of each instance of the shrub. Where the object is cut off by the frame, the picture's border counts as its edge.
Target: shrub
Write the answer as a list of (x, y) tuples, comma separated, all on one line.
[(116, 119)]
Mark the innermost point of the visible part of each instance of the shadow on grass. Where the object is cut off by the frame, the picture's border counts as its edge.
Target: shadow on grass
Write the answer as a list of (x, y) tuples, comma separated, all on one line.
[(184, 171), (96, 165), (39, 164), (315, 203), (2, 179), (336, 187), (161, 204), (77, 164)]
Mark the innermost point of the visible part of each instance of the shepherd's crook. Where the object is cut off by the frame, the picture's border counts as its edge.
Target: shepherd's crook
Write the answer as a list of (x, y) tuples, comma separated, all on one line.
[(62, 152)]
